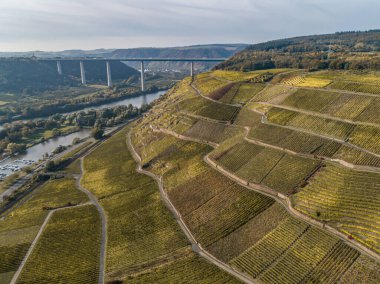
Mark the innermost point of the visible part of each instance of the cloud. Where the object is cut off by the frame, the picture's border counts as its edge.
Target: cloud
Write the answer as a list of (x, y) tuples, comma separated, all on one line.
[(63, 24)]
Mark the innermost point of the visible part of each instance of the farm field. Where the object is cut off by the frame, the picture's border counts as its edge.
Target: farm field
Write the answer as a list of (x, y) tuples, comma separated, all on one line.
[(140, 228), (190, 268), (305, 143), (366, 137), (356, 157), (273, 93), (244, 76), (217, 206), (262, 165), (207, 84), (242, 93), (296, 141), (302, 81), (199, 193), (68, 250), (318, 125), (356, 87), (247, 198), (196, 198), (365, 76), (19, 228), (370, 113), (346, 106), (211, 131), (247, 117), (347, 200), (208, 109)]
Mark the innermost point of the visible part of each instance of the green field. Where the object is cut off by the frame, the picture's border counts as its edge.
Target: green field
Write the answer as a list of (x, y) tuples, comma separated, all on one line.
[(68, 250), (291, 140), (266, 166), (189, 268), (318, 125), (242, 93), (19, 228), (142, 234), (345, 199), (211, 131), (208, 109), (140, 228)]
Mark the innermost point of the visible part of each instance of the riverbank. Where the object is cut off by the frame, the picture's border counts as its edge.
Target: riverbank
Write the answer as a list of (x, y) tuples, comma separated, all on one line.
[(97, 104), (40, 149)]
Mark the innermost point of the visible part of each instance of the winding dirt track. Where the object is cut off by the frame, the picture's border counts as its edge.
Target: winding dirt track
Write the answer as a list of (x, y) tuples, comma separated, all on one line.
[(32, 246), (284, 200), (197, 248), (103, 217)]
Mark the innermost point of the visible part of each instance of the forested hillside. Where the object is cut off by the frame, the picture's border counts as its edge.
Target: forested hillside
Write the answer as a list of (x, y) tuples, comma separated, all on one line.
[(345, 50), (199, 51), (25, 75)]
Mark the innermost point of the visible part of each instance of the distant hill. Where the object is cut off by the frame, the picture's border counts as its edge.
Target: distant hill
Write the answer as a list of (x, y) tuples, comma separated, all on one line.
[(64, 53), (19, 74), (344, 50), (197, 51)]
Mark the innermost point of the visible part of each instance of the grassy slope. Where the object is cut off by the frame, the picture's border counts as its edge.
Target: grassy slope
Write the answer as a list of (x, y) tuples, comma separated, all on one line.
[(143, 237), (68, 250), (19, 228), (186, 176)]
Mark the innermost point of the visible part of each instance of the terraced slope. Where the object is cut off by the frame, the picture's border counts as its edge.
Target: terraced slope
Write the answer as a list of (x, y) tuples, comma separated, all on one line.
[(219, 206), (200, 106), (251, 193), (316, 250), (314, 256), (68, 250), (20, 227), (319, 125), (346, 199), (143, 237), (269, 167)]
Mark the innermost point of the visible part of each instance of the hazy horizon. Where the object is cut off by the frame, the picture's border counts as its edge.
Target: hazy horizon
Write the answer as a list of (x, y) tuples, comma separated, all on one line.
[(30, 25)]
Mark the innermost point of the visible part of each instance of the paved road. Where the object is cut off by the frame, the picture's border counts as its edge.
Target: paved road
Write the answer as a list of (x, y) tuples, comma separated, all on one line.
[(194, 244)]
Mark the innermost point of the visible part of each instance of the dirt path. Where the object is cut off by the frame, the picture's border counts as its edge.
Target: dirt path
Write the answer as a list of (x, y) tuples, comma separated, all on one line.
[(285, 201), (319, 114), (265, 121), (197, 248), (32, 246), (210, 99), (103, 217)]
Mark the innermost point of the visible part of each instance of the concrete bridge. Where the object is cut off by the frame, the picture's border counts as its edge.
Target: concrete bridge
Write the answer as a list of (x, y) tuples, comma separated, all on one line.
[(141, 60)]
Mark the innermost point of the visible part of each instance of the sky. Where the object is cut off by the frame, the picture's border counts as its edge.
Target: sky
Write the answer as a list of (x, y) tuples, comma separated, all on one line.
[(90, 24)]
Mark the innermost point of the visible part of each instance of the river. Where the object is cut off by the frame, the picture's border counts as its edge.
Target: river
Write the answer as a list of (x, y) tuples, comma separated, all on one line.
[(37, 151)]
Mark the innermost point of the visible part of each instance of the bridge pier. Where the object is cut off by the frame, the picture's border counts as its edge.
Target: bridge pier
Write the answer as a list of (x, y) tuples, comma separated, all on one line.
[(59, 67), (142, 76), (82, 73), (192, 69), (109, 78)]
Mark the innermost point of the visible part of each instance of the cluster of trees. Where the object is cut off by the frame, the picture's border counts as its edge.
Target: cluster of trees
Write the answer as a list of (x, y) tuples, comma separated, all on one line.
[(346, 50), (39, 108), (13, 135), (106, 117)]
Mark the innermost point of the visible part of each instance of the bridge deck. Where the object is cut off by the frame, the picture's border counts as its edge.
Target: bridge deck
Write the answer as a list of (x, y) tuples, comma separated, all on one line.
[(136, 59)]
